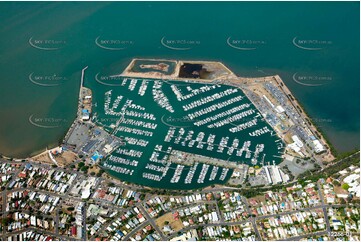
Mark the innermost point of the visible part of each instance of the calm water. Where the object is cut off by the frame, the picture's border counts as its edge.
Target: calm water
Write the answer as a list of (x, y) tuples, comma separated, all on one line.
[(273, 146), (67, 34)]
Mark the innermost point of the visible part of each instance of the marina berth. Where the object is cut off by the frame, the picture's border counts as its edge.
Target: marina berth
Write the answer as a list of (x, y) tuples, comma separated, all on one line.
[(203, 173), (190, 174), (214, 97), (143, 87), (243, 126), (214, 172), (160, 98), (177, 174), (214, 107), (222, 114), (193, 92), (232, 119)]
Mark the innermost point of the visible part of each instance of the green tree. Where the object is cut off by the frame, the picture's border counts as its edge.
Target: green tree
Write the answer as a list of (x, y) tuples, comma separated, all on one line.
[(84, 168), (345, 186), (5, 221)]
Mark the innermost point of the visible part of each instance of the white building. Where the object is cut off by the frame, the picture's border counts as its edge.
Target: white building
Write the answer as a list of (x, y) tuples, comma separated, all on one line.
[(318, 146)]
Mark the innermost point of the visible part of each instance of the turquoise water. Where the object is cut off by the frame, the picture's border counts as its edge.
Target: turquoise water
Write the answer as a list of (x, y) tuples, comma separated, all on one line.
[(201, 29)]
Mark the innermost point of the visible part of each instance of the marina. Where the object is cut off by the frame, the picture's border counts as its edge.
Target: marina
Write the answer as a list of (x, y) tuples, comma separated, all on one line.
[(189, 134), (160, 119), (341, 125)]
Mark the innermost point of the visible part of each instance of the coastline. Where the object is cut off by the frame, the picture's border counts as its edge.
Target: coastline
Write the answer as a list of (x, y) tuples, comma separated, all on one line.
[(230, 79), (304, 115)]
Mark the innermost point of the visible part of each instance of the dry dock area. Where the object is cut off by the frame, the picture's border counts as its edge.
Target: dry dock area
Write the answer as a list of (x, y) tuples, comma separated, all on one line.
[(274, 99)]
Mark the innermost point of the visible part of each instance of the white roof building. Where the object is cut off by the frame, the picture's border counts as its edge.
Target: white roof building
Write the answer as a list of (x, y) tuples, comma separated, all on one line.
[(297, 141), (279, 109), (318, 146), (276, 175), (296, 148)]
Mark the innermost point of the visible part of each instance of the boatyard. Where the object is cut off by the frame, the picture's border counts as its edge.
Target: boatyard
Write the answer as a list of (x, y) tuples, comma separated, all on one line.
[(168, 132), (281, 110)]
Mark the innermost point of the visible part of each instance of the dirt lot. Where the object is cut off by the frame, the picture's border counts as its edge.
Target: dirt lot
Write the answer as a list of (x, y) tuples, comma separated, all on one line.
[(43, 158), (66, 158), (260, 198), (65, 210), (176, 225), (94, 169), (340, 190)]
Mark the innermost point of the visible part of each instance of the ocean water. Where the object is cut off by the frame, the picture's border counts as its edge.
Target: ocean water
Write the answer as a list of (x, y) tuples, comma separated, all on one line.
[(39, 84)]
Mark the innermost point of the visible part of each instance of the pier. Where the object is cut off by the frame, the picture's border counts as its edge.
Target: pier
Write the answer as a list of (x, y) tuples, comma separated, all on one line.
[(186, 158), (79, 103), (85, 99)]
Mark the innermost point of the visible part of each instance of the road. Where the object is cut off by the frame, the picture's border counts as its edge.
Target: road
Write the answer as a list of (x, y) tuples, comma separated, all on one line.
[(324, 210), (207, 225), (84, 234), (56, 221), (332, 164), (151, 221), (252, 219), (46, 232), (295, 238), (141, 206), (14, 175), (131, 233), (323, 206), (220, 217)]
